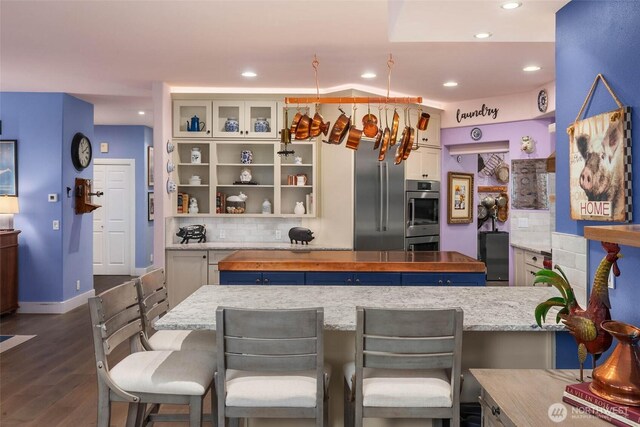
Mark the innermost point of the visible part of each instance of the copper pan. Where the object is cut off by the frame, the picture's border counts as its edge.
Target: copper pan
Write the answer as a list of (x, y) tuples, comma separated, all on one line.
[(339, 130), (318, 126), (378, 139), (408, 144), (303, 128), (385, 144), (394, 127), (369, 124), (353, 140), (294, 123)]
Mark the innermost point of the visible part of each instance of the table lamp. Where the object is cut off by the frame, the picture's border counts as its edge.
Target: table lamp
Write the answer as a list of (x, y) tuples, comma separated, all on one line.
[(8, 207)]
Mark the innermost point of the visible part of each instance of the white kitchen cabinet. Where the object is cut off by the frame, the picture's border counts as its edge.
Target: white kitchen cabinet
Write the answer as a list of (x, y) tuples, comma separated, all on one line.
[(423, 163), (526, 265), (431, 137), (186, 272), (186, 170), (183, 113), (247, 114), (214, 273)]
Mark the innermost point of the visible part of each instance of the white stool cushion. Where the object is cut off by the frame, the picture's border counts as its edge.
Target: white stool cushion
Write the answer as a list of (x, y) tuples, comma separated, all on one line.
[(165, 372), (267, 389), (426, 388), (184, 340)]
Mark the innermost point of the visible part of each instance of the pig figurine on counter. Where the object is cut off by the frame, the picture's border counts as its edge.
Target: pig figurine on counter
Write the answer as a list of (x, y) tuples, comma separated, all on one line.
[(192, 232), (300, 234), (603, 173)]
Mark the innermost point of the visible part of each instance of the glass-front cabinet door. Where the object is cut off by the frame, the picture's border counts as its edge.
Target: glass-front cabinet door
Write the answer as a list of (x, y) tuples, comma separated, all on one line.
[(245, 119), (192, 119)]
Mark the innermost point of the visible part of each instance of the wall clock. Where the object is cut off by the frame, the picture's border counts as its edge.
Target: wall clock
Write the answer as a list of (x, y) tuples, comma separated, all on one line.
[(476, 134), (543, 101), (81, 151)]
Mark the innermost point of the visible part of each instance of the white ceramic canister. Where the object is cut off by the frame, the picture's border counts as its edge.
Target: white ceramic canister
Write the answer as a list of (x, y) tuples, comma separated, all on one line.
[(195, 180), (196, 156), (299, 209), (266, 206)]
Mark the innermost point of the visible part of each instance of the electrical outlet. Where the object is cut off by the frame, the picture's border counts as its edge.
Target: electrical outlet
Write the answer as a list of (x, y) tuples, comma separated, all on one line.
[(612, 280), (77, 285), (278, 235), (223, 234), (55, 224)]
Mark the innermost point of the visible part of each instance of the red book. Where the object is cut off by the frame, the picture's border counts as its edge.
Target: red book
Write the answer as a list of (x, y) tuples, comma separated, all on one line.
[(580, 396)]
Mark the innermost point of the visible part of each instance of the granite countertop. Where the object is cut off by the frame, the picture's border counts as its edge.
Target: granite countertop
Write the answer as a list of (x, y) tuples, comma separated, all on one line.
[(485, 308), (248, 245), (369, 261), (532, 247)]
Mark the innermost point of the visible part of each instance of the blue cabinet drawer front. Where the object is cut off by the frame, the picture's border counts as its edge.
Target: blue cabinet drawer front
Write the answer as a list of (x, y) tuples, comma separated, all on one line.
[(283, 278), (240, 278), (377, 279), (421, 279), (334, 278), (464, 279)]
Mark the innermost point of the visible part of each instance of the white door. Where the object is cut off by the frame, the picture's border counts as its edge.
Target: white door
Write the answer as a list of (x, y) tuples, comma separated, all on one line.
[(113, 230)]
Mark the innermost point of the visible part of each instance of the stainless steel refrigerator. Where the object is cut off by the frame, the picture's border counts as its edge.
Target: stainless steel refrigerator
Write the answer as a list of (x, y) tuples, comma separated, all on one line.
[(379, 201)]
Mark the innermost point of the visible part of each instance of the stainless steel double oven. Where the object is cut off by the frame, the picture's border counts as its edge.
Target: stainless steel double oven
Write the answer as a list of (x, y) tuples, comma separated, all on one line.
[(422, 215)]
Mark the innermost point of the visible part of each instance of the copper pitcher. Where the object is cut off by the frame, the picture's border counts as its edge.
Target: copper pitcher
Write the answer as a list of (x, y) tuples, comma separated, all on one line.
[(618, 378)]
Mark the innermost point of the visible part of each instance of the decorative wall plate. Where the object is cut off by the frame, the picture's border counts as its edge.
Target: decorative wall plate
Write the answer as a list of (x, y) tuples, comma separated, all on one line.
[(170, 146), (543, 101), (171, 186), (476, 134), (170, 166)]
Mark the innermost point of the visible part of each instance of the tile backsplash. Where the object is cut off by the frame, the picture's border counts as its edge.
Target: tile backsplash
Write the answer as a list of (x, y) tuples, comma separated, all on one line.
[(570, 253), (531, 228), (237, 229)]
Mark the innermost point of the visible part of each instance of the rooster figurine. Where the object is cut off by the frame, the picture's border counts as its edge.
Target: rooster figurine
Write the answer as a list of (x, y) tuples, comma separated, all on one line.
[(584, 325)]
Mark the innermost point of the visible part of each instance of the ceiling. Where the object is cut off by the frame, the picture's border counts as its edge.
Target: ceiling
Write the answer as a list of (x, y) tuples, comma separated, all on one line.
[(110, 52)]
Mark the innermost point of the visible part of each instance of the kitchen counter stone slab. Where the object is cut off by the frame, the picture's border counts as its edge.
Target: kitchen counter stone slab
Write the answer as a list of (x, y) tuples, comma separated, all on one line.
[(250, 245), (485, 308)]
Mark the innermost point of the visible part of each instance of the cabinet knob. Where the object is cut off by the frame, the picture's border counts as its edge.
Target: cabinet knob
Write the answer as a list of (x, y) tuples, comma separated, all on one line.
[(204, 257), (257, 281), (425, 139), (357, 281), (208, 132), (424, 175), (495, 410), (349, 281), (241, 132), (535, 258), (266, 281), (440, 282), (532, 273), (448, 282)]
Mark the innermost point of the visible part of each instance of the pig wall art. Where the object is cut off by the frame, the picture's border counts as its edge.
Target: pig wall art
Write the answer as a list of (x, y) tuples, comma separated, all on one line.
[(600, 167)]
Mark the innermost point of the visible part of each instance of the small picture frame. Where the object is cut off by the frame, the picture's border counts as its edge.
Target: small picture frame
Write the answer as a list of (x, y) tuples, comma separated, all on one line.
[(8, 167), (150, 207), (150, 166), (460, 202)]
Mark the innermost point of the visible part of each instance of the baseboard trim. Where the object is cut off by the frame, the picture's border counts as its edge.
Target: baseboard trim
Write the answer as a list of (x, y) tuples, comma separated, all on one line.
[(55, 307)]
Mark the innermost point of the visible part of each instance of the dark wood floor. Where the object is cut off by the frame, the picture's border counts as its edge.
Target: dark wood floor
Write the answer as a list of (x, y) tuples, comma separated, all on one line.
[(50, 380)]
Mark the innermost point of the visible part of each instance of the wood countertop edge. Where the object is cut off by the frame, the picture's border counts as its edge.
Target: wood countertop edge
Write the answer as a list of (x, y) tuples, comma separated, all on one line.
[(401, 267)]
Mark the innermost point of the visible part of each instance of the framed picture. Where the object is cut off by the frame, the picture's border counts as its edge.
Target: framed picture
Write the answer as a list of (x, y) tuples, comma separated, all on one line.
[(600, 167), (150, 207), (150, 166), (9, 167), (460, 203)]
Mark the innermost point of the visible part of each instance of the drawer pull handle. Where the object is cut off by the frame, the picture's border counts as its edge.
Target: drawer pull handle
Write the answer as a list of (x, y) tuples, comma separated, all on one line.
[(349, 281), (532, 273), (448, 282), (535, 258), (257, 281), (266, 281), (439, 282), (357, 281), (495, 410)]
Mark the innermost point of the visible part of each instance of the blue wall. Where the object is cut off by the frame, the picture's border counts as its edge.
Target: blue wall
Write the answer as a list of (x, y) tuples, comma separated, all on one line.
[(599, 37), (131, 142), (50, 261)]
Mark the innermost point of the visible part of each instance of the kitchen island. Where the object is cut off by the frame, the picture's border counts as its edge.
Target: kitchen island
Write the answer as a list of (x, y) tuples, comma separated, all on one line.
[(499, 326), (341, 267)]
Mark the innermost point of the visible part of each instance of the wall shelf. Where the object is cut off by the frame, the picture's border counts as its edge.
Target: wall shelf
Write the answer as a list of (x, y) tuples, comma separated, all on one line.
[(621, 234)]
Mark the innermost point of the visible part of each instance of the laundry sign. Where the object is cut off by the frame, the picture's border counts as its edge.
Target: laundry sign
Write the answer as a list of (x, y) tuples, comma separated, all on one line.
[(483, 111)]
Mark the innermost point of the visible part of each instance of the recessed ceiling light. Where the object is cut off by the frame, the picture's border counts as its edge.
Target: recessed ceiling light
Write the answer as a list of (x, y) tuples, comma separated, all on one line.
[(368, 75), (141, 112), (450, 84), (483, 35), (531, 68), (249, 74), (511, 5)]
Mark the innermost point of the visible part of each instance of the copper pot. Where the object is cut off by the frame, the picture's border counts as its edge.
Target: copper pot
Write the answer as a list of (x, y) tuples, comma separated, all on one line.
[(318, 126), (369, 125), (294, 123), (394, 127), (340, 129), (618, 378), (423, 121), (304, 127), (353, 140)]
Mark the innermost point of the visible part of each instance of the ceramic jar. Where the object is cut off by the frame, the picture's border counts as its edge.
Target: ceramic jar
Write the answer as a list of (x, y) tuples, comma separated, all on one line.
[(266, 206), (299, 209), (261, 125), (196, 156), (246, 157), (231, 125), (245, 175), (195, 180)]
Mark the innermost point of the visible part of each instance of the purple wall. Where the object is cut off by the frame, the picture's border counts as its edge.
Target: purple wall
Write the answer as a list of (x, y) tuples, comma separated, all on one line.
[(131, 142), (464, 237), (50, 261), (591, 38)]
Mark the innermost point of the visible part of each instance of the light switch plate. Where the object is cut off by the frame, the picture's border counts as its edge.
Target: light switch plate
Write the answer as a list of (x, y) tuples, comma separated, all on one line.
[(104, 147), (55, 224)]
